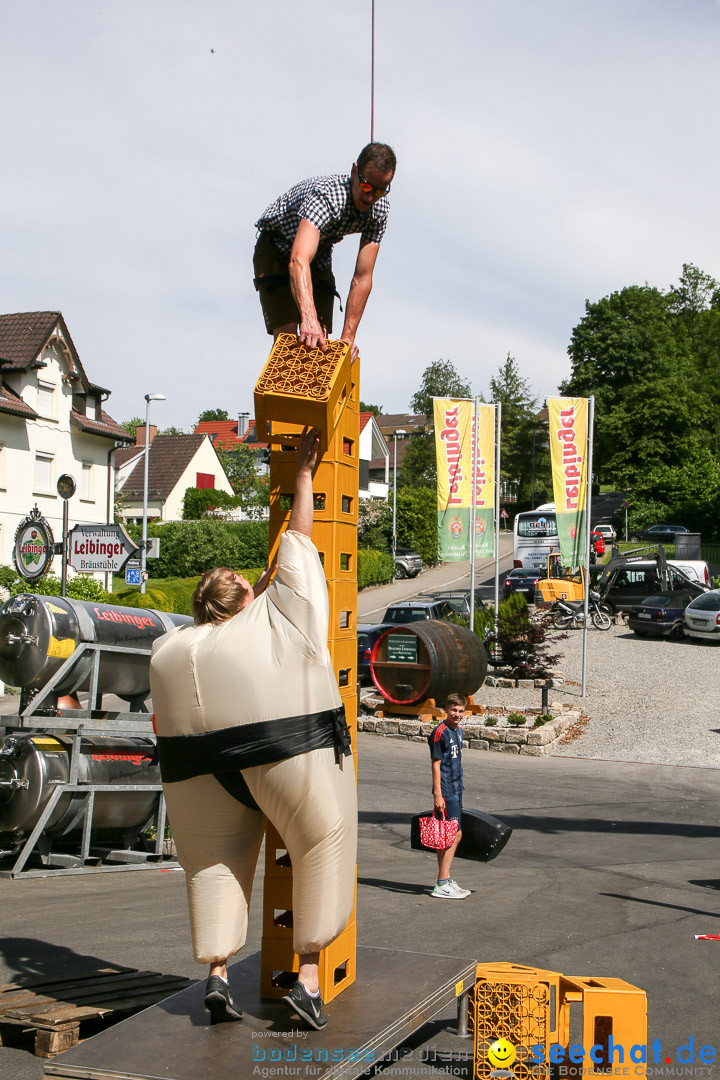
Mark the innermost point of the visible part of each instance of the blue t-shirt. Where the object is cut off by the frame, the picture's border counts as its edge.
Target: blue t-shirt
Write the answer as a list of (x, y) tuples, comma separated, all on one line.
[(446, 747)]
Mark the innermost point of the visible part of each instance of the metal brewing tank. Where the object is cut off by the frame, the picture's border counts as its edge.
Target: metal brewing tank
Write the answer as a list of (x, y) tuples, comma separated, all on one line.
[(32, 765), (39, 633)]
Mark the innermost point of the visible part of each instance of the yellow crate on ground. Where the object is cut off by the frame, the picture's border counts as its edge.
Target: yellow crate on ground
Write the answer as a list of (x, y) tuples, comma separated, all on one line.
[(614, 1014), (516, 1004), (301, 386)]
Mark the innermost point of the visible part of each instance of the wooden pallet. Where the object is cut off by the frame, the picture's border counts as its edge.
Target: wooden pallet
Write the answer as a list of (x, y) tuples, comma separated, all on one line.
[(53, 1010)]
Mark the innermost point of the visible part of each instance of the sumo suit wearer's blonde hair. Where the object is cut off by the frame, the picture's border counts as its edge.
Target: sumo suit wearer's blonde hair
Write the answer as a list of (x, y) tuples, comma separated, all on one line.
[(218, 596)]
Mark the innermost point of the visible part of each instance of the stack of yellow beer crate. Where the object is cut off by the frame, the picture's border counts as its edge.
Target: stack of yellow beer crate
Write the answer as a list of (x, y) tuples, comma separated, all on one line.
[(301, 387)]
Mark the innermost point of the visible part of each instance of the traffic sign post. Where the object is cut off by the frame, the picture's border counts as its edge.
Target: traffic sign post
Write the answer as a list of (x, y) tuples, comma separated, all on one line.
[(504, 516), (100, 548)]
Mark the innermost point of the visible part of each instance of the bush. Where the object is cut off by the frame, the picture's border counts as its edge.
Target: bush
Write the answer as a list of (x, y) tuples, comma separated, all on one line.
[(417, 522), (8, 576), (374, 568), (540, 721), (522, 639), (516, 719), (151, 598), (190, 548), (82, 587)]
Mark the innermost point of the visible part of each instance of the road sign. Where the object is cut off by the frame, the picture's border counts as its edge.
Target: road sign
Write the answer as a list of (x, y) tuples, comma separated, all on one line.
[(105, 548), (504, 514), (133, 575)]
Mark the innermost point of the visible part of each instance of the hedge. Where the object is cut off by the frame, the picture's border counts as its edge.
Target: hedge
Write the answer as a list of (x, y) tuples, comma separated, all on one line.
[(374, 568), (198, 501), (190, 548)]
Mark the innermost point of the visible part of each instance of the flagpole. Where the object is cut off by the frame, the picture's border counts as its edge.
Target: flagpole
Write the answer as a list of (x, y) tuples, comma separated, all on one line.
[(588, 528), (498, 422), (473, 515)]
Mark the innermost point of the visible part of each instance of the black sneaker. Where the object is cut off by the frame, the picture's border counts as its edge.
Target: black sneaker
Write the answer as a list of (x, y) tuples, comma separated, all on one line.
[(219, 1002), (309, 1008)]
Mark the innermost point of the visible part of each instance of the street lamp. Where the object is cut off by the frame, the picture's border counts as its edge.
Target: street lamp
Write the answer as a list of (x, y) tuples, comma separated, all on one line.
[(143, 549)]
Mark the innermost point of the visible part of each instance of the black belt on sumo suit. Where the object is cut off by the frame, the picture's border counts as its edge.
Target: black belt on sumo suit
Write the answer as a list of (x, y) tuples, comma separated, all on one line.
[(223, 753)]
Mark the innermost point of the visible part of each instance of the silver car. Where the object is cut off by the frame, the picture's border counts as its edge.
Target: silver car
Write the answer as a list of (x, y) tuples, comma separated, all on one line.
[(702, 616)]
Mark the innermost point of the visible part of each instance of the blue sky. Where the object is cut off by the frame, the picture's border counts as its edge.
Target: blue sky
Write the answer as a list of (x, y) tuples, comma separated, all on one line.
[(548, 153)]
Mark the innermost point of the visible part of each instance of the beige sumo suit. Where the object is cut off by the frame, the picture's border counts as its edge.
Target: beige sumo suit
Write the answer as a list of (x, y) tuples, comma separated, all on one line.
[(251, 705)]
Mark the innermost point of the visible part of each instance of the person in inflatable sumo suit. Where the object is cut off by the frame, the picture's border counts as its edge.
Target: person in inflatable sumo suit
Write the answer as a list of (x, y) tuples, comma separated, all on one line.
[(250, 726)]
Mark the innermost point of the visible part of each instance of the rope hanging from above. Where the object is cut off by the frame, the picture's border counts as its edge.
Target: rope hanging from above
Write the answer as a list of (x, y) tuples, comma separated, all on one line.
[(372, 77)]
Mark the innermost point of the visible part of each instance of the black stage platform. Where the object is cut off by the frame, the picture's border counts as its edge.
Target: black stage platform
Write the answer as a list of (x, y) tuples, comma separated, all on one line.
[(395, 993)]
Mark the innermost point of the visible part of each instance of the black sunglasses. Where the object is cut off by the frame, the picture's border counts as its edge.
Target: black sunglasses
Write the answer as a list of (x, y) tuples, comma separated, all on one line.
[(366, 186)]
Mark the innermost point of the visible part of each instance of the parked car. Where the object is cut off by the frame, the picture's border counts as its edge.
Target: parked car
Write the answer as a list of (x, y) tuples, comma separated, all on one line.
[(367, 635), (407, 563), (459, 601), (660, 534), (606, 531), (522, 579), (626, 582), (702, 616), (408, 611), (660, 616)]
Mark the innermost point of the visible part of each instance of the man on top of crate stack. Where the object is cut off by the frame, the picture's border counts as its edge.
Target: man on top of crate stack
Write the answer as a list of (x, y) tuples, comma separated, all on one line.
[(293, 253)]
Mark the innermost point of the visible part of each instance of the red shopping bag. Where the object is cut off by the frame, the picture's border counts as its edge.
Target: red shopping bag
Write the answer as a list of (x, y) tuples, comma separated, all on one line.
[(437, 833)]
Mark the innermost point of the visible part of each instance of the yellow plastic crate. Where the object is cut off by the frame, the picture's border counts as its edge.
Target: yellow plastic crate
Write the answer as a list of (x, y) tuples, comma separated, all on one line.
[(336, 967), (301, 386), (342, 596)]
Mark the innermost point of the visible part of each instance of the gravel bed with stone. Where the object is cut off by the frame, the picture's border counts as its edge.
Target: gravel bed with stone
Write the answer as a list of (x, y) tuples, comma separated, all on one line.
[(647, 700)]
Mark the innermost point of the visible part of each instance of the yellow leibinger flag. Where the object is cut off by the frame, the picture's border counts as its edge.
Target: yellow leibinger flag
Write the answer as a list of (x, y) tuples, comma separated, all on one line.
[(453, 450), (568, 445), (485, 483)]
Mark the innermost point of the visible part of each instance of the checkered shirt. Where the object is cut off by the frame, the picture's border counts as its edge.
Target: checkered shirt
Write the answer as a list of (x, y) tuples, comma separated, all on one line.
[(327, 202)]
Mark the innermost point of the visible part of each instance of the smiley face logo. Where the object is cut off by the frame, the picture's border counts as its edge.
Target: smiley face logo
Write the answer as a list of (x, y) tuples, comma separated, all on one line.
[(501, 1054)]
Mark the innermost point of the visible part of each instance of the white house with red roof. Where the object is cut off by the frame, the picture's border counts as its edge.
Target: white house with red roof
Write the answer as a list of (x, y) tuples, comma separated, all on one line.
[(52, 422), (374, 457)]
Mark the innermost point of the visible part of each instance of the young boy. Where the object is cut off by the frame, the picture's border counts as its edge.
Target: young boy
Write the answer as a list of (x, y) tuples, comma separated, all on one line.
[(446, 756)]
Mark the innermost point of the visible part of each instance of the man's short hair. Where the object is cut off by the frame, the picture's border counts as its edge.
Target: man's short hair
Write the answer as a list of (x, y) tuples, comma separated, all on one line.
[(455, 699), (378, 154)]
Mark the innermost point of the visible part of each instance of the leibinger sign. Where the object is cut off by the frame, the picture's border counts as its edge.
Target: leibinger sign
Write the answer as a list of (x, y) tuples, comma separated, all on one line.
[(34, 546), (104, 548)]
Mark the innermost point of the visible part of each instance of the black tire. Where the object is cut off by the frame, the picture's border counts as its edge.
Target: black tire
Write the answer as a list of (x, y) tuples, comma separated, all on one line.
[(563, 622), (400, 572), (601, 620)]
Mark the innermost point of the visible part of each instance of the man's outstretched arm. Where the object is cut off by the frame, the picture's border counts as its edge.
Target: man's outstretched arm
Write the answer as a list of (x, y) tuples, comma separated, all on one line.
[(303, 252), (360, 287)]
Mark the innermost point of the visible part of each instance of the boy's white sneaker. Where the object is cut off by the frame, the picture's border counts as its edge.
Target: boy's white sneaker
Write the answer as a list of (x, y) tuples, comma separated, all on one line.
[(462, 892), (449, 891)]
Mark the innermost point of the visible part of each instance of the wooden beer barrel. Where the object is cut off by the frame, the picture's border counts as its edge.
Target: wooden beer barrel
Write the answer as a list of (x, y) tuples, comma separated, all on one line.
[(415, 661)]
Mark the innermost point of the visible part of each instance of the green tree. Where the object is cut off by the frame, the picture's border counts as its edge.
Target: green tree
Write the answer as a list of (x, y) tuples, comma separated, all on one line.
[(131, 426), (439, 379), (172, 430), (209, 415), (376, 410), (240, 465), (654, 423), (520, 427)]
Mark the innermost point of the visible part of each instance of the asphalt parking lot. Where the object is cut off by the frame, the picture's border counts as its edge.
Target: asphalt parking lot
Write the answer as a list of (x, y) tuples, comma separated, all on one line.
[(612, 870)]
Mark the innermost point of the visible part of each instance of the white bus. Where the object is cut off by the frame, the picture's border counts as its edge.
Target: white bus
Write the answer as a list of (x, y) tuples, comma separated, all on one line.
[(535, 536)]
